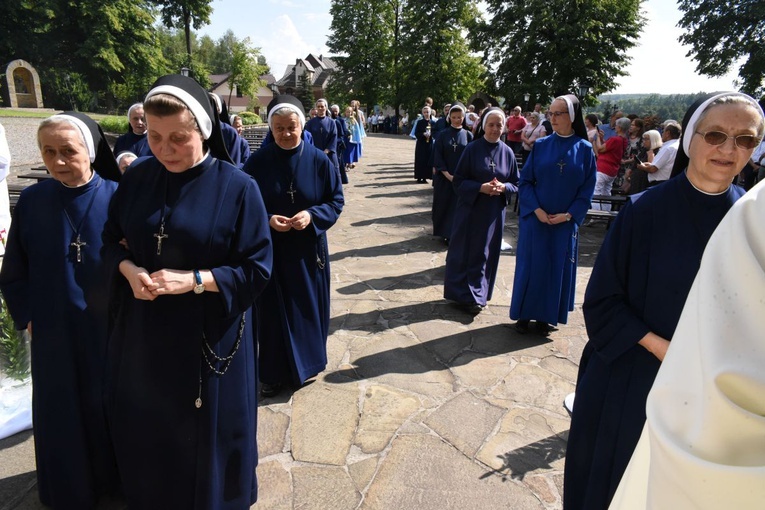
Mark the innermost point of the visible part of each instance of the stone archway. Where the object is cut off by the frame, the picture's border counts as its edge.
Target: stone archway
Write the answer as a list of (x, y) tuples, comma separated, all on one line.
[(22, 85), (479, 100)]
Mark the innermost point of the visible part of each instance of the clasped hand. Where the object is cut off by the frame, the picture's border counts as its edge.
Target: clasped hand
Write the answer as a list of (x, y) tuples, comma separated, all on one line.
[(282, 223), (147, 286), (493, 188), (550, 219)]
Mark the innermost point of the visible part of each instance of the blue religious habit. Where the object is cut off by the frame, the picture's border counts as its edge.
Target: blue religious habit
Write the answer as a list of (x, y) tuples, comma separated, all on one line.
[(639, 284), (131, 142), (558, 176), (324, 133), (473, 256), (237, 147), (449, 146), (343, 135), (52, 275), (294, 307), (181, 396), (422, 149)]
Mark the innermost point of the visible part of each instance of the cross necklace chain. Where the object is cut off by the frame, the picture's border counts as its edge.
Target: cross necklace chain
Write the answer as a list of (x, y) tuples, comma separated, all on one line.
[(492, 164), (291, 191), (161, 235), (78, 243)]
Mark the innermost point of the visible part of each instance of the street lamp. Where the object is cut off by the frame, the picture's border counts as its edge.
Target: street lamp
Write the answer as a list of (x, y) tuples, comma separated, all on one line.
[(526, 97), (584, 89), (184, 71)]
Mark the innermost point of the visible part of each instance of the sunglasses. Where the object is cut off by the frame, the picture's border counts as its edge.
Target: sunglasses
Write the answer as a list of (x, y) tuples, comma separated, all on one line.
[(746, 142)]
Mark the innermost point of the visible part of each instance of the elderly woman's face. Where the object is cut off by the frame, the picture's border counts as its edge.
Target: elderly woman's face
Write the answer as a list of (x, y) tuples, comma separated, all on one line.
[(286, 130), (713, 167), (175, 141), (64, 154), (560, 118), (493, 128), (138, 121), (426, 113)]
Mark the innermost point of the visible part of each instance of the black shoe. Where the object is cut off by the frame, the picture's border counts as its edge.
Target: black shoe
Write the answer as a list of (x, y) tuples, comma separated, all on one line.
[(270, 390), (543, 328), (475, 308), (522, 327)]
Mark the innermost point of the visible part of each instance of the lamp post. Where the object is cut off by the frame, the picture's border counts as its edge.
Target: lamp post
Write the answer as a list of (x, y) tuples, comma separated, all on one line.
[(526, 97), (584, 89), (184, 71)]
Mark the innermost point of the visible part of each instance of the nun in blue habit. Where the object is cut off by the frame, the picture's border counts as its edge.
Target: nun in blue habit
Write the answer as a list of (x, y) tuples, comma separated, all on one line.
[(135, 139), (485, 177), (304, 198), (557, 181), (449, 145), (55, 286), (181, 397), (323, 129), (639, 285)]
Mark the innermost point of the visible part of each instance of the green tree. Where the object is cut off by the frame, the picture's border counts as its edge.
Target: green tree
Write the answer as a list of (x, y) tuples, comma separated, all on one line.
[(548, 47), (244, 68), (304, 91), (438, 62), (721, 32), (173, 46), (361, 37), (183, 14), (109, 45)]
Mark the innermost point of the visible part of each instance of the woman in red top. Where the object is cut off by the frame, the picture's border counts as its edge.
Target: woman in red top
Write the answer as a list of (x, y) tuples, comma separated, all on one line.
[(610, 156)]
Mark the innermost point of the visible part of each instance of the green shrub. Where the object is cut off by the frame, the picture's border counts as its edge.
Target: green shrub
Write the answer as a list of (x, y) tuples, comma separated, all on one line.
[(14, 350), (249, 118), (114, 124)]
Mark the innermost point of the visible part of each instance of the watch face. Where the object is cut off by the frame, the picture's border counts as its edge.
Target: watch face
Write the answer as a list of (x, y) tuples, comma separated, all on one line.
[(199, 289)]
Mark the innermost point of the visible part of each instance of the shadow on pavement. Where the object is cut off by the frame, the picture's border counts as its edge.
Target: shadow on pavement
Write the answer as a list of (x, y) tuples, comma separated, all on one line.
[(437, 354), (419, 244), (516, 464), (411, 281)]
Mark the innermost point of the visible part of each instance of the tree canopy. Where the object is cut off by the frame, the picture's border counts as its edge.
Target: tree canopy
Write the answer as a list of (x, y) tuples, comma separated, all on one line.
[(105, 55), (722, 32), (548, 47), (398, 52)]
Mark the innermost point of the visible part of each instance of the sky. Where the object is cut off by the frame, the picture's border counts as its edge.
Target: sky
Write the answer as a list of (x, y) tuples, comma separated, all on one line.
[(285, 30)]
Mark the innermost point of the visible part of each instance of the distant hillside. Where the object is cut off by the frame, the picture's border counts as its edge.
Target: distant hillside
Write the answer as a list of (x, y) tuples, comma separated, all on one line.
[(663, 106)]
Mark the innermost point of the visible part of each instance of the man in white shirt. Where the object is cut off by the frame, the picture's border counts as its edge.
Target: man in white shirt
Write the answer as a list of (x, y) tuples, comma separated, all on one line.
[(661, 168)]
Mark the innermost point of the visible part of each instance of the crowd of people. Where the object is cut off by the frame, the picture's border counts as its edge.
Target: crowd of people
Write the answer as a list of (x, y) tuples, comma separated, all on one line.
[(163, 279), (160, 288), (681, 180)]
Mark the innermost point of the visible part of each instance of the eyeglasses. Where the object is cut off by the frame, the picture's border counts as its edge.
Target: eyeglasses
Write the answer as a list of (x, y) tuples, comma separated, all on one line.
[(745, 142), (557, 114)]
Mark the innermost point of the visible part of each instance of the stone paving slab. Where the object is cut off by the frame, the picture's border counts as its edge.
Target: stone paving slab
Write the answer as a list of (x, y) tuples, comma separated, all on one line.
[(421, 405)]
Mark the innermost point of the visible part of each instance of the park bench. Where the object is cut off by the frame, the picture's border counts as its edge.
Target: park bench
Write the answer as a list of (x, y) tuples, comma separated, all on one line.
[(255, 136), (616, 202)]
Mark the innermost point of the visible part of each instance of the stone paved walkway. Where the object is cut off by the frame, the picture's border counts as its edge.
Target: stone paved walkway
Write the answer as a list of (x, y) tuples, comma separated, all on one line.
[(421, 406)]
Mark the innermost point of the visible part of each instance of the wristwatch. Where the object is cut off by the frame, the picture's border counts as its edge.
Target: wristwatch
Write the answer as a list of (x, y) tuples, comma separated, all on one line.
[(199, 287), (568, 218)]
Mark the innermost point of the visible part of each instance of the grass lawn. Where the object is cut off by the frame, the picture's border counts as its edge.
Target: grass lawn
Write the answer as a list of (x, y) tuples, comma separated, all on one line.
[(36, 114)]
